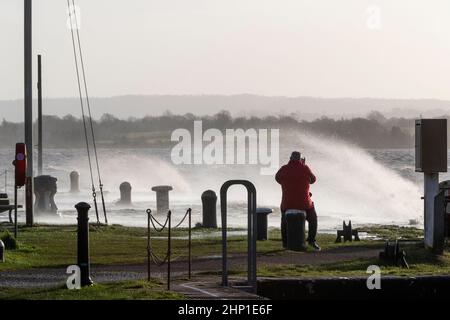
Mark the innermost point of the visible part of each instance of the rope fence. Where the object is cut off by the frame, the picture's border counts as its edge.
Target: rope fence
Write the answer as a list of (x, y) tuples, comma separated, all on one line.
[(159, 227)]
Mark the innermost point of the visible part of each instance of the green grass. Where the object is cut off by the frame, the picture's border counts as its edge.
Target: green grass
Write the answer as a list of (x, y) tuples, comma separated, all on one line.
[(55, 246), (393, 232), (420, 260), (130, 290)]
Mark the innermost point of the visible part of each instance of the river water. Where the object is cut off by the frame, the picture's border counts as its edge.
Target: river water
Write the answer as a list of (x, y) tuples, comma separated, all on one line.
[(365, 186)]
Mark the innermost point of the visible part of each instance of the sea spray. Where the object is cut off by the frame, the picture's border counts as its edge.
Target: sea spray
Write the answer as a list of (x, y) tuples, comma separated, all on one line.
[(351, 184)]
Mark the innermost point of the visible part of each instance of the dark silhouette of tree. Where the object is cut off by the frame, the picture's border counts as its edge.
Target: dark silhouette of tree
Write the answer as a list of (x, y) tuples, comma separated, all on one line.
[(374, 131)]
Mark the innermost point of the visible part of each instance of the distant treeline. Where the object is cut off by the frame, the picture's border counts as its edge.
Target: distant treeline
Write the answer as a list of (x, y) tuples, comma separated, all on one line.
[(373, 131)]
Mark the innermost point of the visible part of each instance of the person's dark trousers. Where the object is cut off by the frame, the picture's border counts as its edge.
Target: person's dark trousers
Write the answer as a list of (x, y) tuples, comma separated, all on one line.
[(311, 217)]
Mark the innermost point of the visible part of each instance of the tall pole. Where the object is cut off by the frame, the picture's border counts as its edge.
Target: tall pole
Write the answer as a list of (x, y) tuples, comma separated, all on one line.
[(39, 87), (431, 189), (28, 99)]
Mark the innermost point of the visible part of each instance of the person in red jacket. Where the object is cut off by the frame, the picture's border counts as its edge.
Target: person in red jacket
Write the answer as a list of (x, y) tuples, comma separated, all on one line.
[(295, 179)]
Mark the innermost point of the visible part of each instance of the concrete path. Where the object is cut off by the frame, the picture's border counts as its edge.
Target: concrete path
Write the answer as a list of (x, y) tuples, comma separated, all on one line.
[(210, 289)]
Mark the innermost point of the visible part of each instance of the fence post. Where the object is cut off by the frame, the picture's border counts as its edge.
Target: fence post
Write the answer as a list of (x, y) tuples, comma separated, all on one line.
[(149, 212), (169, 250), (190, 243), (16, 231)]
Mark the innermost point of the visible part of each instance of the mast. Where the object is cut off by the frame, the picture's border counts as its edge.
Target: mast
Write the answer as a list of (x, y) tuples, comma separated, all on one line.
[(39, 87), (28, 104)]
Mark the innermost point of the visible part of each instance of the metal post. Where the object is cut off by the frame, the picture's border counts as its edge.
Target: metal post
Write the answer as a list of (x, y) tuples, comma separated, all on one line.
[(190, 243), (169, 250), (28, 102), (83, 243), (223, 207), (149, 212), (249, 238), (15, 212), (253, 278), (431, 189), (39, 87)]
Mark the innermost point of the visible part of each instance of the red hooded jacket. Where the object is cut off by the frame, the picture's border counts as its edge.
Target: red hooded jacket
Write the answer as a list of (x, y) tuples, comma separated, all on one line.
[(295, 178)]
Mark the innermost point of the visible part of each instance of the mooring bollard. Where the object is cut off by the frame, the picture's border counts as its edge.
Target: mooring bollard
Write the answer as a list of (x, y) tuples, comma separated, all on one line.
[(347, 233), (209, 203), (74, 182), (295, 220), (261, 222), (394, 255), (125, 193), (162, 198), (45, 189), (2, 251), (83, 243)]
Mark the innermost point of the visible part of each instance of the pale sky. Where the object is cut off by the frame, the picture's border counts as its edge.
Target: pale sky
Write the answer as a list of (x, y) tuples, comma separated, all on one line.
[(269, 47)]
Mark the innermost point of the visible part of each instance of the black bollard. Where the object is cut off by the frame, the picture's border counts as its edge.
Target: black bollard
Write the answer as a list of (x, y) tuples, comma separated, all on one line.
[(45, 189), (74, 182), (125, 193), (347, 233), (209, 202), (83, 243), (162, 198)]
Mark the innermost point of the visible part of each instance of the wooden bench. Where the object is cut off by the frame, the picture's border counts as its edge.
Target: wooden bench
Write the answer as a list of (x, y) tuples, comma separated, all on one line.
[(10, 208)]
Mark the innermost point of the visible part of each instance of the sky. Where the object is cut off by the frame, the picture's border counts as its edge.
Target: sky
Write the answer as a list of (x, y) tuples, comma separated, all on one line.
[(348, 48)]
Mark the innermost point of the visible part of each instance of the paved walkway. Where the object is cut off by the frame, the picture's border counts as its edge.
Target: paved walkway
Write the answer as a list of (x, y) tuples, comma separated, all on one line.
[(210, 289)]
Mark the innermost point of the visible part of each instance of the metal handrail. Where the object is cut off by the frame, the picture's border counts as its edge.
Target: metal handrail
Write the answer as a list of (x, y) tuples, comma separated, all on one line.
[(251, 233)]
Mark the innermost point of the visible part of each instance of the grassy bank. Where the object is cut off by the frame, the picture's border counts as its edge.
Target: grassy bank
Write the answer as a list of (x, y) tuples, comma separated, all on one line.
[(421, 262), (55, 246)]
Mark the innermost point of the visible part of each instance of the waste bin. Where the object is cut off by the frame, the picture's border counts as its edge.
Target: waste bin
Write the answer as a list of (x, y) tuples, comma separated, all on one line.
[(295, 233), (261, 222)]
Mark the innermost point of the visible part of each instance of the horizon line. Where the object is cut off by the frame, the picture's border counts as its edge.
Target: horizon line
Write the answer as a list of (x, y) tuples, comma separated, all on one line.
[(236, 95)]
